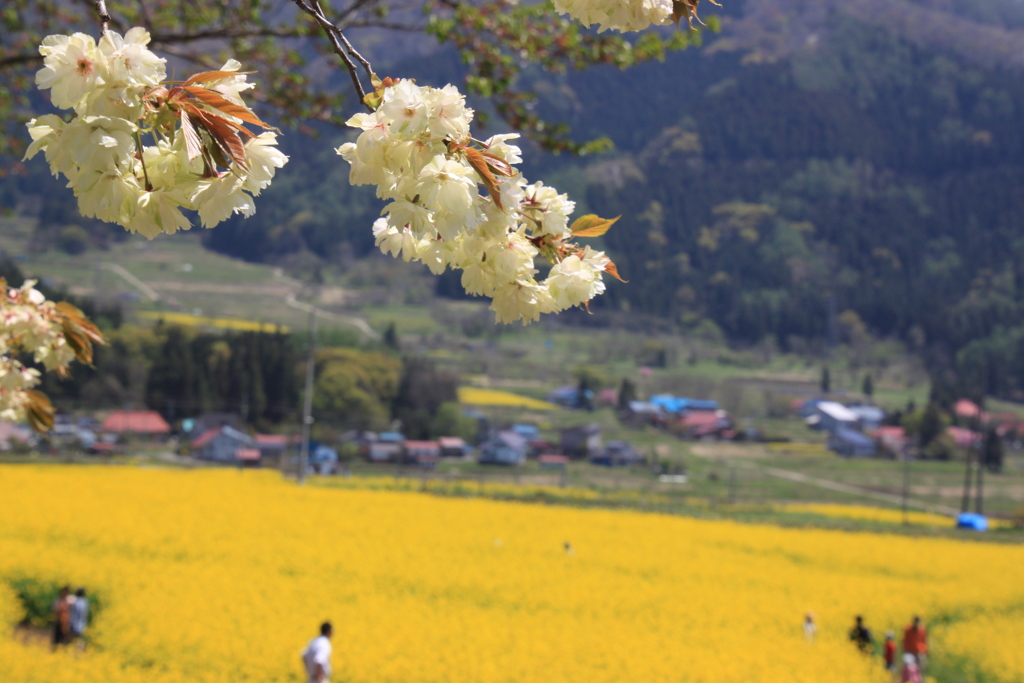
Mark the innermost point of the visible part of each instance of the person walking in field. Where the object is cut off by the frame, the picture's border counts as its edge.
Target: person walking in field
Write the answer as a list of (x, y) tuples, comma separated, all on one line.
[(79, 617), (911, 671), (810, 628), (889, 651), (316, 658), (62, 617), (861, 636), (915, 642)]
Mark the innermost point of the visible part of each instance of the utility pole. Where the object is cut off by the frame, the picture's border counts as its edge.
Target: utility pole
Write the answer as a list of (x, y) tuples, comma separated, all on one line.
[(307, 408), (965, 502), (907, 456), (979, 498), (732, 483)]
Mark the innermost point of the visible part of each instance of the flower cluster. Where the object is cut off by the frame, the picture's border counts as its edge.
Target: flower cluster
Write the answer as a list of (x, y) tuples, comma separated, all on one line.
[(629, 15), (117, 92), (416, 148), (54, 334)]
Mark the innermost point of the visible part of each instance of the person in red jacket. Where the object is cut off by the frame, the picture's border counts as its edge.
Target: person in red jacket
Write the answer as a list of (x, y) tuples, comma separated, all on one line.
[(915, 642), (890, 651)]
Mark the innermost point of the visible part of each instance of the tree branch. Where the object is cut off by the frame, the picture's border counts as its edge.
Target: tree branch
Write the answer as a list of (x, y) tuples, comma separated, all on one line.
[(340, 43), (101, 10)]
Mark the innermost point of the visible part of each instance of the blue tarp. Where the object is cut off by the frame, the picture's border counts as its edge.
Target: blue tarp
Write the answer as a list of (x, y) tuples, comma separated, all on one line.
[(972, 520), (678, 404)]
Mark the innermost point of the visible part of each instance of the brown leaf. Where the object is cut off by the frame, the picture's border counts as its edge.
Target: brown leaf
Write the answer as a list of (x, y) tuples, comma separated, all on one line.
[(226, 106), (82, 324), (479, 163), (613, 271), (39, 411), (193, 144), (591, 225), (497, 164), (224, 135), (687, 9), (207, 76)]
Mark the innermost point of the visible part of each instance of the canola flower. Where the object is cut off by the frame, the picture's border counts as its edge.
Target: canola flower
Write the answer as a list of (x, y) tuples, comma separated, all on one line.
[(221, 576), (869, 513), (494, 397), (205, 321)]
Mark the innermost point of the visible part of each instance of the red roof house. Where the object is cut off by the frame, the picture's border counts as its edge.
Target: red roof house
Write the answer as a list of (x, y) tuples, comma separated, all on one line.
[(965, 408), (135, 422)]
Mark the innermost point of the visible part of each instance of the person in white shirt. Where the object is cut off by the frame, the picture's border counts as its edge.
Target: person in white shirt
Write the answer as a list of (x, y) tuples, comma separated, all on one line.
[(317, 656), (79, 617)]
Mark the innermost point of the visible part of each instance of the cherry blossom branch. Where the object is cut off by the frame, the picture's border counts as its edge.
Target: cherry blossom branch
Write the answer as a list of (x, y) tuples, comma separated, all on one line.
[(342, 47), (101, 10)]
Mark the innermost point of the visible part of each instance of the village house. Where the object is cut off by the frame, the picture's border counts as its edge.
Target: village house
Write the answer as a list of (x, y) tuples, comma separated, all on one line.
[(581, 442), (702, 424), (273, 447), (830, 416), (222, 444), (641, 414), (503, 448), (850, 443), (383, 447), (891, 440), (617, 454), (451, 447), (869, 417), (422, 453), (144, 423)]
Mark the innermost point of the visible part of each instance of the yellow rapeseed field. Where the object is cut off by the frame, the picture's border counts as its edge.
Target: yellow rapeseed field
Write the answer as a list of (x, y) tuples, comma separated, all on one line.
[(222, 576), (188, 319), (495, 397)]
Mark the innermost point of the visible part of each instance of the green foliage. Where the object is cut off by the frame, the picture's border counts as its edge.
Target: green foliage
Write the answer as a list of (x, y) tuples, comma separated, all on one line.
[(497, 39), (250, 373), (927, 425), (354, 388), (450, 420), (423, 389)]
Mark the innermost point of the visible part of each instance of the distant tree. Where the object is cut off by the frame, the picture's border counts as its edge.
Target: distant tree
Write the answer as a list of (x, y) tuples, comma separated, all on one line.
[(590, 380), (354, 389), (868, 386), (422, 390), (391, 337), (932, 424), (826, 380), (452, 421), (992, 450), (627, 393)]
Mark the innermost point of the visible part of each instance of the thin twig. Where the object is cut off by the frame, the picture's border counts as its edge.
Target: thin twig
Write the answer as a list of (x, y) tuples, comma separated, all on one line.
[(339, 43), (101, 9)]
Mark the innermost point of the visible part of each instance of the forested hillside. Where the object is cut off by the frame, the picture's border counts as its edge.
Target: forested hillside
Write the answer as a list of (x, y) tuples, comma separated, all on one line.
[(820, 169)]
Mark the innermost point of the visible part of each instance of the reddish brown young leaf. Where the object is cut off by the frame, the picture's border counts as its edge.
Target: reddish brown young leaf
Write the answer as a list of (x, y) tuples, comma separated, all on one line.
[(207, 76), (479, 164), (226, 106), (193, 145), (224, 135), (497, 164), (613, 271), (39, 411), (591, 225)]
